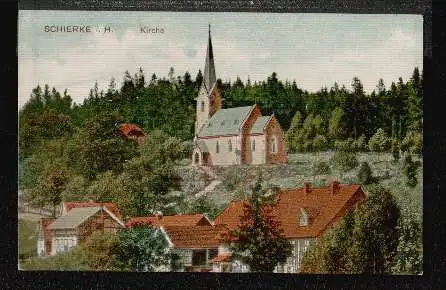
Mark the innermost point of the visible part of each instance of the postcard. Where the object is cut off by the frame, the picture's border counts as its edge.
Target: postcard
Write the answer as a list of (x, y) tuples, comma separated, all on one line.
[(160, 141)]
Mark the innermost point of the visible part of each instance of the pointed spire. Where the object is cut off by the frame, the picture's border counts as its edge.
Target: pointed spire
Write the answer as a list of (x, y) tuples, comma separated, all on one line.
[(209, 77)]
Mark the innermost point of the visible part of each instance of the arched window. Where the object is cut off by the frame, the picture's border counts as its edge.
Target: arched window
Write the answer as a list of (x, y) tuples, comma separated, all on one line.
[(253, 145), (230, 145), (217, 147), (202, 106), (273, 145)]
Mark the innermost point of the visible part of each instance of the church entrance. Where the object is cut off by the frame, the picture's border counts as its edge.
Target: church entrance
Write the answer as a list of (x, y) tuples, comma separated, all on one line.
[(196, 158)]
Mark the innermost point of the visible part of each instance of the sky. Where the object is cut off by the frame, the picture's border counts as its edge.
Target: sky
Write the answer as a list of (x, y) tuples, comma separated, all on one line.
[(315, 50)]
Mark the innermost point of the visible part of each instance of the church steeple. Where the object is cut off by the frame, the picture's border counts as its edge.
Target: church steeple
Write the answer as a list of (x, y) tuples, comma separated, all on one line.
[(209, 77)]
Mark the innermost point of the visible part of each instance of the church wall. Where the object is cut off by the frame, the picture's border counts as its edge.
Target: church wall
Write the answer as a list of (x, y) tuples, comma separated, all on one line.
[(215, 103), (224, 157), (255, 114), (258, 155), (274, 130)]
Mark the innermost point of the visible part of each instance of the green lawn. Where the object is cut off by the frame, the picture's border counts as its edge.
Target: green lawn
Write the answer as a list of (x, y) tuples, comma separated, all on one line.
[(28, 233)]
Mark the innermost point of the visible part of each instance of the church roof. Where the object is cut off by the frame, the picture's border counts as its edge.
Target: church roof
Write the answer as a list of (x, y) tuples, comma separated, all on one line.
[(260, 124), (209, 77), (225, 122)]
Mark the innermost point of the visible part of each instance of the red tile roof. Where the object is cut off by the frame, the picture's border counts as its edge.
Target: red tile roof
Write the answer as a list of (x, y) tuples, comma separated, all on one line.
[(222, 258), (324, 208), (193, 237), (67, 206), (48, 239), (172, 220), (128, 129)]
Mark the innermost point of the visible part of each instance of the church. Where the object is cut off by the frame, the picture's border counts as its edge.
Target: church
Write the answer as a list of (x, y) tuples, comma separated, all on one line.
[(232, 136)]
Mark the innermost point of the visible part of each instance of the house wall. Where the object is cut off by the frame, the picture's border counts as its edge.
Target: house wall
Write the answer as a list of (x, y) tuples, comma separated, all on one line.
[(100, 221), (255, 114), (273, 130), (63, 240), (292, 264), (224, 157)]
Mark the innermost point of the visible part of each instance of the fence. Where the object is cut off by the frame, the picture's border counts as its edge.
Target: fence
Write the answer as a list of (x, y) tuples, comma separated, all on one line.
[(26, 208)]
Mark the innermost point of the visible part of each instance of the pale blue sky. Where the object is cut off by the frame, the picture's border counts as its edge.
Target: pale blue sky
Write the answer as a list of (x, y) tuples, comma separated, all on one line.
[(314, 49)]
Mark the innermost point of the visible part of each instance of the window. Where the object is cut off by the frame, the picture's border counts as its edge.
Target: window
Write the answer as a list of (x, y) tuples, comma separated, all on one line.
[(273, 145), (253, 145), (303, 218), (217, 147), (202, 106), (230, 145)]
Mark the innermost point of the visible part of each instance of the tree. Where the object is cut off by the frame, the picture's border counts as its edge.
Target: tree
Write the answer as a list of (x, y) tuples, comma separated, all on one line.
[(99, 147), (259, 242), (335, 125), (379, 142), (409, 257), (293, 132), (410, 170), (144, 248), (52, 182), (364, 241)]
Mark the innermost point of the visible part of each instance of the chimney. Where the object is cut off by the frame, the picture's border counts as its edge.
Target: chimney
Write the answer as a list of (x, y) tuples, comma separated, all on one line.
[(334, 186), (307, 187)]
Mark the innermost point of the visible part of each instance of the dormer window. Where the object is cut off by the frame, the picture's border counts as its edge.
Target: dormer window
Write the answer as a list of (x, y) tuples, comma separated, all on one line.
[(303, 217)]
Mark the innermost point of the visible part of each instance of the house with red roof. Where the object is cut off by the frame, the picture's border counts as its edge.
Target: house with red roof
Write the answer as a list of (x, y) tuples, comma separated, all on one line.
[(305, 214), (132, 132), (193, 238), (77, 222)]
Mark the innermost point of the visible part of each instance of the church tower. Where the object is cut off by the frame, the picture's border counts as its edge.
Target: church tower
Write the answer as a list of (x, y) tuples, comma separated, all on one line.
[(209, 97)]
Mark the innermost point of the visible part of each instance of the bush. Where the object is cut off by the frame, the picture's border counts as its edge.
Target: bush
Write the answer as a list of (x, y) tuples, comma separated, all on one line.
[(344, 160), (365, 174), (410, 170), (413, 143), (321, 167), (360, 144), (379, 142), (320, 143), (232, 178), (395, 150)]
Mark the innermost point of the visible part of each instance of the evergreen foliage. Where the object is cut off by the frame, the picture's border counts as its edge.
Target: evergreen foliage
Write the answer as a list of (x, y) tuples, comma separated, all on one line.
[(259, 242), (364, 241)]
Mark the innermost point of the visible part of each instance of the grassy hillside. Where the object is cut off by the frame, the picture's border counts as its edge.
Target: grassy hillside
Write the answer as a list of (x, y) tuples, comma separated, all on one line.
[(237, 179)]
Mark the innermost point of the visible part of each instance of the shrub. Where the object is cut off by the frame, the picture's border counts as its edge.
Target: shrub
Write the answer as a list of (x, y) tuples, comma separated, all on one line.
[(320, 143), (360, 144), (321, 167), (413, 143), (410, 170), (365, 174), (379, 142), (395, 150), (232, 178), (344, 160)]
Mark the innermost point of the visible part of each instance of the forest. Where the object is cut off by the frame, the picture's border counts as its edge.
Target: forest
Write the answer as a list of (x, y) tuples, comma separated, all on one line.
[(71, 152)]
